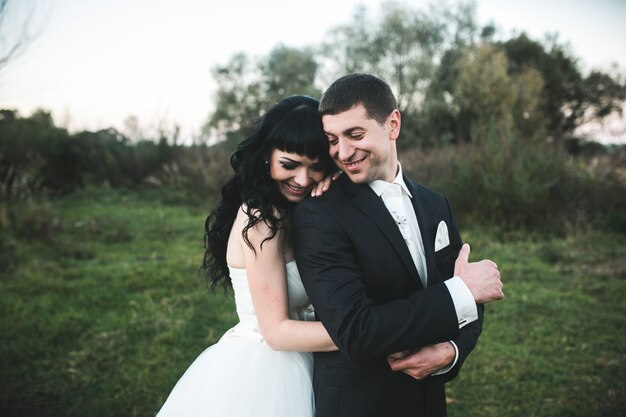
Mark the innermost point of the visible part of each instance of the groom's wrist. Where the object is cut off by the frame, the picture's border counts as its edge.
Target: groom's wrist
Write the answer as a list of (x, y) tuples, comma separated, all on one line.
[(464, 304), (450, 357), (450, 353)]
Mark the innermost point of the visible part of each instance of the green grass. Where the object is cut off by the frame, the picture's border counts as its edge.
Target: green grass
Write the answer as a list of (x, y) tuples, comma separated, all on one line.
[(102, 309), (554, 345), (102, 316)]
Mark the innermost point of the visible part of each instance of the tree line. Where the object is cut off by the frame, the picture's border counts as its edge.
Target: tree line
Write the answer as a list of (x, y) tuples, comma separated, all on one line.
[(453, 79), (39, 159), (482, 116)]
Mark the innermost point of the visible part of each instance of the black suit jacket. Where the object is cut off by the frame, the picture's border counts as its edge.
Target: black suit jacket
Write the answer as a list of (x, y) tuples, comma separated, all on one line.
[(361, 279)]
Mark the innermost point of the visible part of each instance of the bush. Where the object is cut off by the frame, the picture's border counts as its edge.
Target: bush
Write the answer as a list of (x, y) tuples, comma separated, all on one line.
[(33, 220), (507, 182), (195, 175)]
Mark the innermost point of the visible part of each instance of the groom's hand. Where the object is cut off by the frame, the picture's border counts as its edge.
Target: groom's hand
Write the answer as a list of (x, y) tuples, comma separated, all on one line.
[(482, 278), (423, 362)]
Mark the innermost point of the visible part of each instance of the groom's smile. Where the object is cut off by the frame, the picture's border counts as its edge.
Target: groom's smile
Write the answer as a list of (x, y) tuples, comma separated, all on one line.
[(353, 166)]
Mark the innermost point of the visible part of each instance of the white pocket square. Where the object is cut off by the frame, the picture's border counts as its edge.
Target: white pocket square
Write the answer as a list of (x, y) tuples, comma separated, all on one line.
[(441, 239)]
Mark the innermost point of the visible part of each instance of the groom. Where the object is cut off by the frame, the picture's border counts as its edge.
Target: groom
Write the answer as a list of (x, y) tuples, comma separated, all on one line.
[(377, 257)]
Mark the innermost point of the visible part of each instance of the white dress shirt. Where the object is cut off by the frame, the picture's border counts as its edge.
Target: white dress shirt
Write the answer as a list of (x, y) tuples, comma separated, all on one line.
[(397, 198)]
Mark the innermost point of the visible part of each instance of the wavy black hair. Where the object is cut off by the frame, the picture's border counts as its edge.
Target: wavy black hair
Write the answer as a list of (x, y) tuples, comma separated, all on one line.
[(292, 125)]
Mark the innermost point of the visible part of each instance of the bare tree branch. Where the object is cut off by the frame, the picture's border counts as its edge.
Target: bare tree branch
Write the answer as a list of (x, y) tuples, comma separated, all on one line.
[(11, 45)]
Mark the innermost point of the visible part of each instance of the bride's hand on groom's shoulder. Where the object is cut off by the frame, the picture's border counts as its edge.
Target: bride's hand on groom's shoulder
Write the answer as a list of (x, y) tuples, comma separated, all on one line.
[(423, 362), (324, 185)]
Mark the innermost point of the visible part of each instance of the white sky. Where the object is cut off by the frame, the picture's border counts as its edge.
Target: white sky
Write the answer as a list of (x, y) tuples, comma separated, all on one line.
[(97, 62)]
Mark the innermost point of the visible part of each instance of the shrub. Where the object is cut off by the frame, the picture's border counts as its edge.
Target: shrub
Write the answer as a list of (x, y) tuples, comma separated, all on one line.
[(33, 220), (522, 185)]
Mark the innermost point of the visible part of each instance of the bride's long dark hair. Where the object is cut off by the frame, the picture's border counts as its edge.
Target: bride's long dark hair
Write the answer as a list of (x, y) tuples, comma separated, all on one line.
[(291, 125)]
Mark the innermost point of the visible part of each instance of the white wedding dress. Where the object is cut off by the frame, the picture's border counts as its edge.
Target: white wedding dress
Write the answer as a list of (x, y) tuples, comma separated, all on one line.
[(241, 376)]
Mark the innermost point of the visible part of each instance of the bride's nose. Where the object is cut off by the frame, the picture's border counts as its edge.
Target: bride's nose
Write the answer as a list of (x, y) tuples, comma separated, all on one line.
[(302, 177)]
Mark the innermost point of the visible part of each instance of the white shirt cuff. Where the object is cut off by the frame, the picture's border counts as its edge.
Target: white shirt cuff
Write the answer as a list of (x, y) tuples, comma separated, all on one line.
[(447, 368), (464, 304)]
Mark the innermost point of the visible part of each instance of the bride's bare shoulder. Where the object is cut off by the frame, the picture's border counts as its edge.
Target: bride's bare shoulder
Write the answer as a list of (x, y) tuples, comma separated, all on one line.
[(261, 228)]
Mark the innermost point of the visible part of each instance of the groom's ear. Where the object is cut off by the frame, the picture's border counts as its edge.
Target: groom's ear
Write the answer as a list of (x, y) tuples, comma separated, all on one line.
[(394, 121)]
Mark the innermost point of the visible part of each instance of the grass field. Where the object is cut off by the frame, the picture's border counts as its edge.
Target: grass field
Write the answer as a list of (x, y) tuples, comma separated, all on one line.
[(102, 309)]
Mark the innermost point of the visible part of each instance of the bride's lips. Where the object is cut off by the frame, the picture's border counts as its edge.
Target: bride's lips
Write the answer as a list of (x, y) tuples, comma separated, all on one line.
[(297, 190)]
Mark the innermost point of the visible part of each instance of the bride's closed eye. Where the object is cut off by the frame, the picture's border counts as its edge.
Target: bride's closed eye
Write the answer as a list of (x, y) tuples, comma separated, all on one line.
[(289, 165), (317, 167)]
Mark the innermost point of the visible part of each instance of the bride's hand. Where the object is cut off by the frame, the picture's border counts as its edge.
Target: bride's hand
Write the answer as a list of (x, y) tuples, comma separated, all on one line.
[(324, 185)]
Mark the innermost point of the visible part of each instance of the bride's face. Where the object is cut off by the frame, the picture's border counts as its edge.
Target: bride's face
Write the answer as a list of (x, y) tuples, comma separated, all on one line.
[(295, 175)]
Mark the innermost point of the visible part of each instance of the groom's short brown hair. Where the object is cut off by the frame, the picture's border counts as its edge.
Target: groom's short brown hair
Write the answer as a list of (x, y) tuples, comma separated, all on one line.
[(354, 89)]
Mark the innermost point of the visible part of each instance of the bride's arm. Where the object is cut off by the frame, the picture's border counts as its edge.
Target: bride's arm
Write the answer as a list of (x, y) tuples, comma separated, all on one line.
[(267, 279)]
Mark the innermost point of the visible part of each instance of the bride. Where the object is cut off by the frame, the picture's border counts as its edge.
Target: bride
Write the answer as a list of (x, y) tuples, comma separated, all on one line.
[(263, 366)]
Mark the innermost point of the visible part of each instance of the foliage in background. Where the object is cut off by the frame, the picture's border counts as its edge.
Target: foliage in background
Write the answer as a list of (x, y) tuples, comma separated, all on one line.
[(502, 178), (519, 186), (39, 159), (507, 109), (490, 98), (247, 87), (448, 73)]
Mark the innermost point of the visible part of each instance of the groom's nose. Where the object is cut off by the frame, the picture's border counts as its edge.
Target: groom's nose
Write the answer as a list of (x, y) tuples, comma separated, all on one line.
[(346, 150)]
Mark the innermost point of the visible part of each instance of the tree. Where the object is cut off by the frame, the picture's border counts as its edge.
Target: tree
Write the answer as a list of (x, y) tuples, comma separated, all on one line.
[(570, 99), (15, 35), (23, 155), (449, 77), (401, 47), (483, 89), (349, 48), (528, 118), (604, 95), (489, 97), (405, 46), (237, 100), (289, 71), (247, 87)]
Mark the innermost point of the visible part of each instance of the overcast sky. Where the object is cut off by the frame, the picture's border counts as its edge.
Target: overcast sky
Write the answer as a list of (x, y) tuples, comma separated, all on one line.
[(97, 62)]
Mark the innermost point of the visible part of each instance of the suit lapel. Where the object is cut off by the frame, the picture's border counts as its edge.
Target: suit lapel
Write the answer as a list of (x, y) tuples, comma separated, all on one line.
[(423, 220), (372, 206)]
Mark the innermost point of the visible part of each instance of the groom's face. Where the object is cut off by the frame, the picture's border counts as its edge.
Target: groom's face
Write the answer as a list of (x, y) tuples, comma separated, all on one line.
[(361, 147)]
